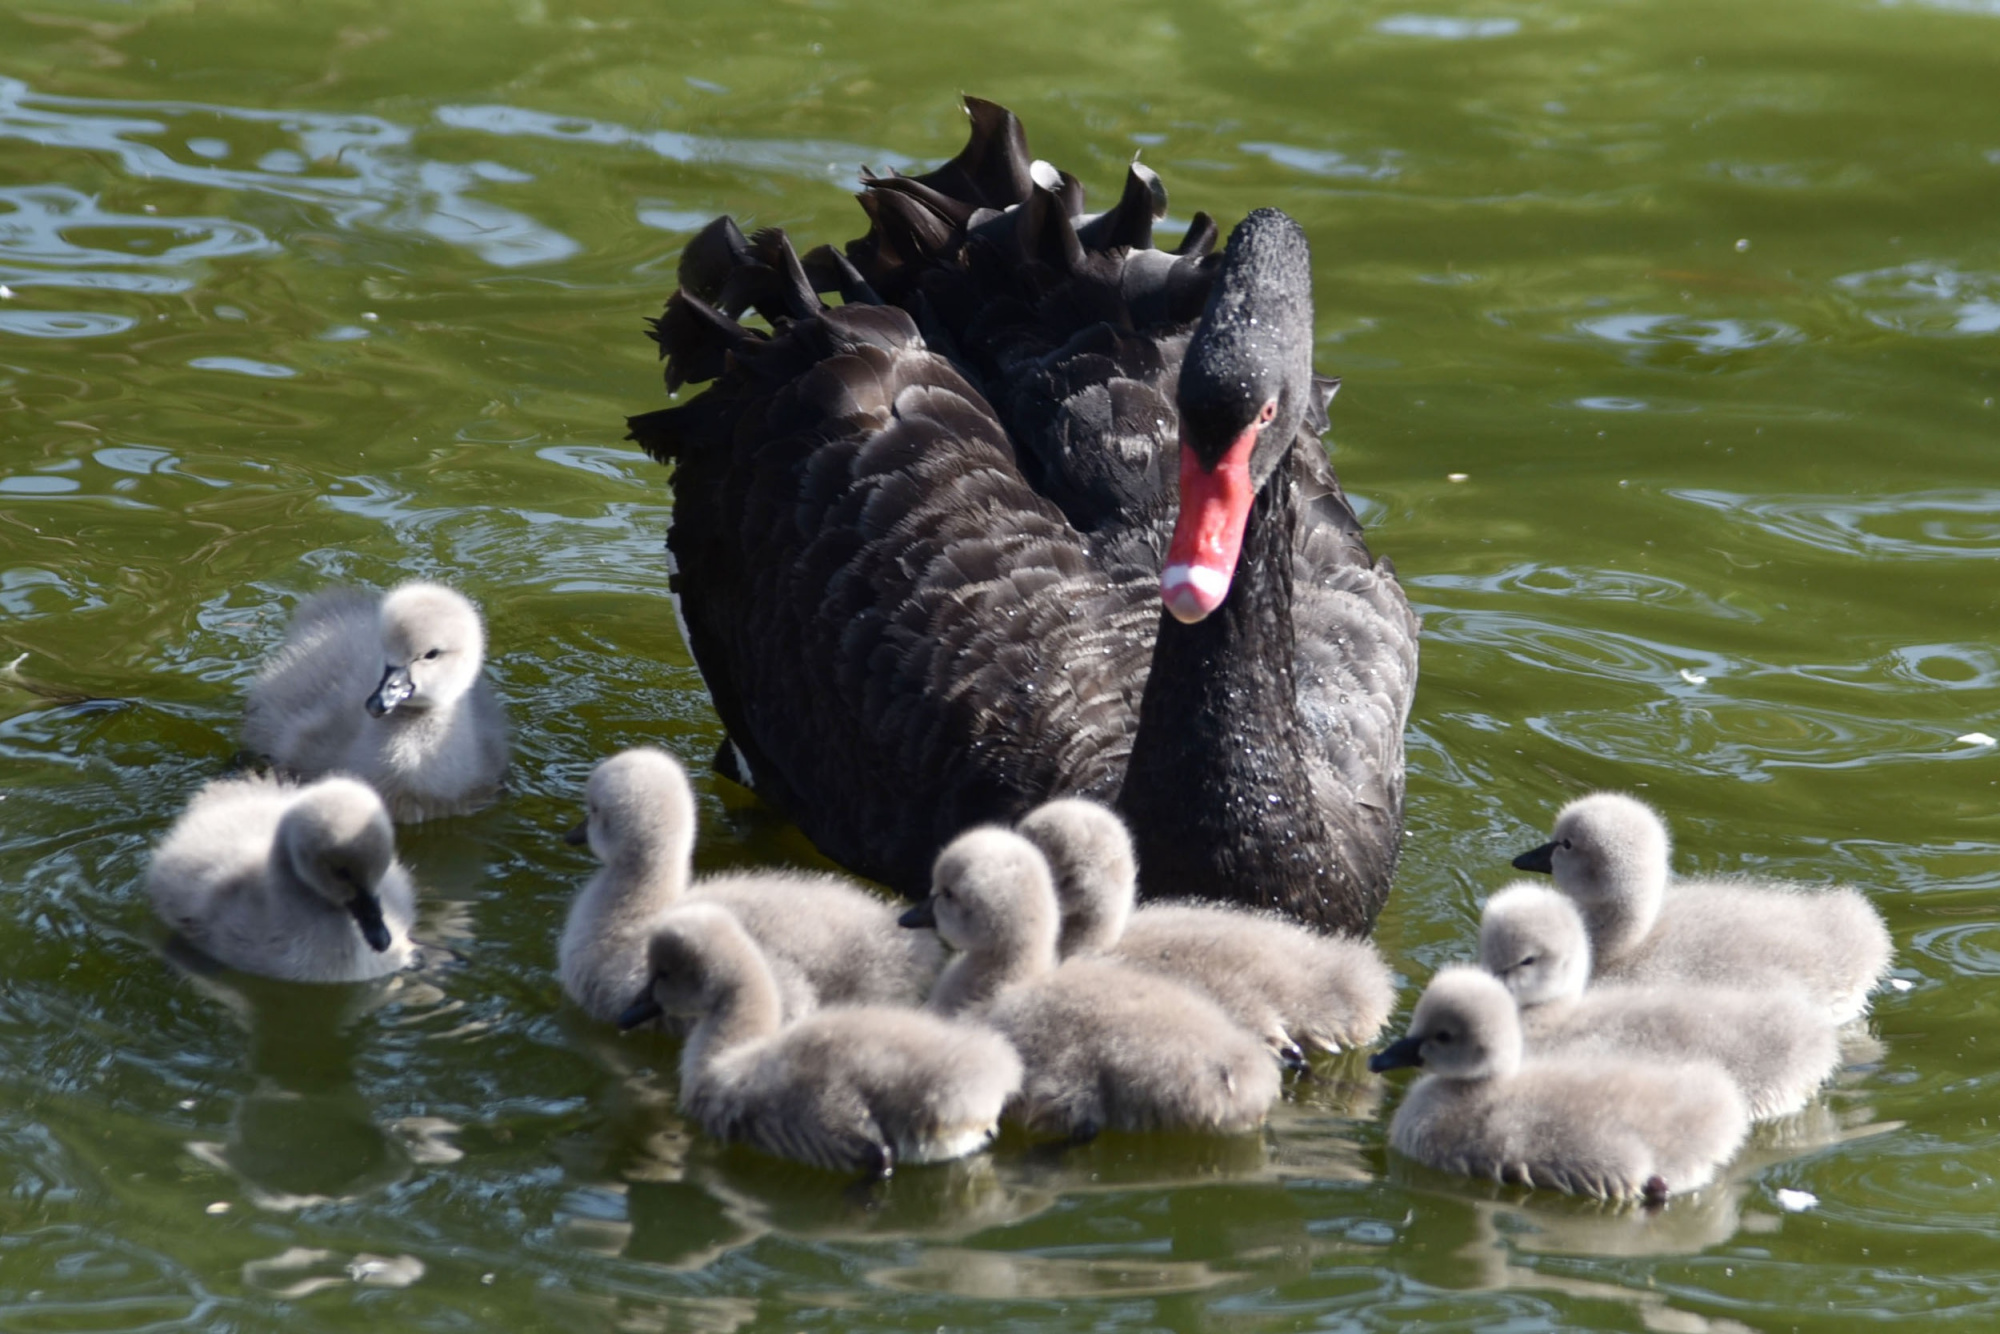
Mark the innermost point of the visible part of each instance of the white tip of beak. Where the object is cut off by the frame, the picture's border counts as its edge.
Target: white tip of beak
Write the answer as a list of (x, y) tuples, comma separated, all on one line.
[(1191, 592)]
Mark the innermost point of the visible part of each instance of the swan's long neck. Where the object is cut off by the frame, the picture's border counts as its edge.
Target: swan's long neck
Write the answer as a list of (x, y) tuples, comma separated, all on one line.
[(747, 1007), (1217, 792)]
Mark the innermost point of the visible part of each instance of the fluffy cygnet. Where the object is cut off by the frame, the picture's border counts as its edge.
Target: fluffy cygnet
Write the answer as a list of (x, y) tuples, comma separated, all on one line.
[(1610, 854), (1105, 1046), (828, 941), (1588, 1123), (1776, 1045), (288, 881), (1288, 984), (387, 688), (850, 1088)]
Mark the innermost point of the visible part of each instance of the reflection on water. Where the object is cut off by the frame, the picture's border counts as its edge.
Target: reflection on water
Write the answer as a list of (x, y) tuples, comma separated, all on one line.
[(1924, 525), (1649, 334), (1000, 1276), (358, 169), (1927, 297)]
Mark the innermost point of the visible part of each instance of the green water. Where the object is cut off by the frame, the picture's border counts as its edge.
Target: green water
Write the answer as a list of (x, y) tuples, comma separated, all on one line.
[(1702, 300)]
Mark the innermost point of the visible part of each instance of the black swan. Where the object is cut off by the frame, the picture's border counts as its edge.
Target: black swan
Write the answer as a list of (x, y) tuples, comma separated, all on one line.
[(921, 538)]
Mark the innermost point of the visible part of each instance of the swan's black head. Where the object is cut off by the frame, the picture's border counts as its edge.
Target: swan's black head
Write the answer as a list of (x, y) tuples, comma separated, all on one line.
[(1244, 387)]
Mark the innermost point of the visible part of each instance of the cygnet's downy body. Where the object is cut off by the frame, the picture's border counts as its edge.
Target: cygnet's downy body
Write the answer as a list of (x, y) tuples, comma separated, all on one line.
[(1105, 1046), (1775, 1044), (1618, 1128), (1290, 985), (387, 688), (848, 1088), (1610, 854), (827, 940), (288, 881)]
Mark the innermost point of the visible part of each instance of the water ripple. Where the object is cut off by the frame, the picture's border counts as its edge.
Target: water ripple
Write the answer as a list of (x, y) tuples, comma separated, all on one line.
[(1446, 28), (1919, 525), (1652, 337), (41, 227), (63, 323), (1969, 948), (1749, 739), (1594, 653), (359, 168), (799, 157), (1927, 298), (1324, 162), (1578, 582)]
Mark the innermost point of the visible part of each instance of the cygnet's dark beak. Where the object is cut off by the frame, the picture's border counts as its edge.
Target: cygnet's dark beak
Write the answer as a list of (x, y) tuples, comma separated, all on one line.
[(395, 688), (641, 1011), (1537, 859), (924, 914), (579, 835), (1398, 1054), (367, 910)]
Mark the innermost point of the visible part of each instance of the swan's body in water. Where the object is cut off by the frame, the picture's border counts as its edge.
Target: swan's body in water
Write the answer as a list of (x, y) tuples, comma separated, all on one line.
[(288, 881), (1104, 1046), (826, 940), (1610, 854), (1037, 510), (1618, 1128), (859, 1088), (387, 688), (1293, 987), (1778, 1046)]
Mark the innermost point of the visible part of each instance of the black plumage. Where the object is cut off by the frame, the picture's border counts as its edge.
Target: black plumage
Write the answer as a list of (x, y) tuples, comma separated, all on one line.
[(918, 537)]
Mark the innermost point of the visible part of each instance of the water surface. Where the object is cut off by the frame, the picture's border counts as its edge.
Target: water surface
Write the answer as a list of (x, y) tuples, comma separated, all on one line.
[(1668, 344)]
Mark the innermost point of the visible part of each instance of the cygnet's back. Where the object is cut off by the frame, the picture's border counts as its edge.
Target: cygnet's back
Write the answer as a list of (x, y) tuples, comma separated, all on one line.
[(1104, 1045), (1776, 1045), (389, 689), (848, 1088), (828, 941), (287, 881), (1291, 986), (1610, 854), (1590, 1124)]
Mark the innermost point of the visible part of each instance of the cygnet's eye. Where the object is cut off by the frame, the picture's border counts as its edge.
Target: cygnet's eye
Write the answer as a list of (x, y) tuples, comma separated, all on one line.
[(436, 651), (1566, 845), (1529, 962), (1444, 1037)]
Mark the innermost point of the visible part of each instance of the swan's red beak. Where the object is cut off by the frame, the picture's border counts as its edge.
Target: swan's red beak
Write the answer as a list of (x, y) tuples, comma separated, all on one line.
[(1208, 535)]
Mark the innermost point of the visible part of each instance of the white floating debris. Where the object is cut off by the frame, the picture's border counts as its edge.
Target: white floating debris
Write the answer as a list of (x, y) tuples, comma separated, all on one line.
[(6, 292), (1457, 476), (219, 1207), (1692, 677), (1796, 1201), (1975, 739), (1742, 245), (370, 316), (1901, 984)]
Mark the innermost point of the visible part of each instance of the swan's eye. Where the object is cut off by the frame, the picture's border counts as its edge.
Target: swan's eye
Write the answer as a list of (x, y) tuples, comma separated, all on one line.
[(1528, 962), (1268, 412), (1566, 845), (1444, 1038), (432, 654)]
